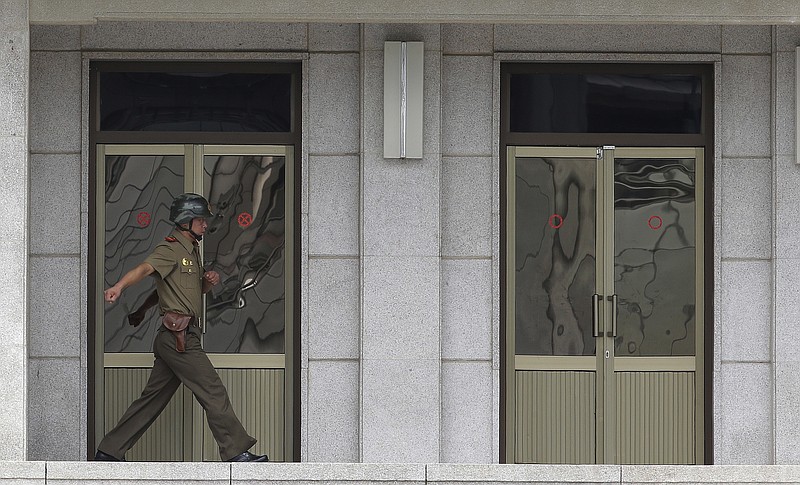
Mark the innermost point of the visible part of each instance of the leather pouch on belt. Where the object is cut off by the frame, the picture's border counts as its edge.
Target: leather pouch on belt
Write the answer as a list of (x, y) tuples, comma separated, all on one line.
[(177, 324)]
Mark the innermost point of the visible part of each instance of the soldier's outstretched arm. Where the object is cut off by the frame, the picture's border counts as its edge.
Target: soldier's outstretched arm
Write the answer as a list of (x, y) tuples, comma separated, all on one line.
[(132, 277)]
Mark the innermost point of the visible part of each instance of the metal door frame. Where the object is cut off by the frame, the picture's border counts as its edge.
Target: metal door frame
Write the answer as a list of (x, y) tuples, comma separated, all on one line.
[(193, 154), (605, 446)]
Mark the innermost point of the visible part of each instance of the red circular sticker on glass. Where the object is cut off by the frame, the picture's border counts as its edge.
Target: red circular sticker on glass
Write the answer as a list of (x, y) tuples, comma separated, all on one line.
[(655, 222), (555, 221), (245, 219), (143, 218)]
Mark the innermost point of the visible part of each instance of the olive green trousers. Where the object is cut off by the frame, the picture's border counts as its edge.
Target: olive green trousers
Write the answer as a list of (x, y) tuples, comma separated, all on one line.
[(171, 368)]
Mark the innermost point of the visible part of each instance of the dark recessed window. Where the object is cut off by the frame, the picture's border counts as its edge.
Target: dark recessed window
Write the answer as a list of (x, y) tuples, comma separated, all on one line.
[(605, 103), (195, 101)]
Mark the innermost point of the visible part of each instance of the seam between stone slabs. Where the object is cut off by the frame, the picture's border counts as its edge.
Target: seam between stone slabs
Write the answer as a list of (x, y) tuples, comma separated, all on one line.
[(728, 361), (472, 155), (746, 54), (55, 152), (310, 52), (334, 154), (333, 359), (54, 255), (466, 258), (466, 155), (334, 256), (456, 360), (54, 50)]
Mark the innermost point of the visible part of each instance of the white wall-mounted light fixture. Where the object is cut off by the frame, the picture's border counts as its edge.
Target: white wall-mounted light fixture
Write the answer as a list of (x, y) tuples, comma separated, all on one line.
[(403, 67)]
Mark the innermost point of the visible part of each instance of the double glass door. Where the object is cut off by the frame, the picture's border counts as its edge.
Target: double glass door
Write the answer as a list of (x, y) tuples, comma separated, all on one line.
[(604, 307), (247, 323)]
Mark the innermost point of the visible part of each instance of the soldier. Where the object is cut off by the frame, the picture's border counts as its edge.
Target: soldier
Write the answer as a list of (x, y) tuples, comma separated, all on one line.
[(179, 357)]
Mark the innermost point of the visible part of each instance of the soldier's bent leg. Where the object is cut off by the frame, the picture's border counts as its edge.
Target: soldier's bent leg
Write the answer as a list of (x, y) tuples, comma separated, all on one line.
[(196, 372), (160, 388)]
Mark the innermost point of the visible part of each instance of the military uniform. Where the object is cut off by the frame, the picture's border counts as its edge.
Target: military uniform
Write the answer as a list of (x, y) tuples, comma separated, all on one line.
[(179, 282)]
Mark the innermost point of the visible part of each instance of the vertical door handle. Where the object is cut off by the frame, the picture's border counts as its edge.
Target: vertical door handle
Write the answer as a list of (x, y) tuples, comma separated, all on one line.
[(596, 314), (613, 315)]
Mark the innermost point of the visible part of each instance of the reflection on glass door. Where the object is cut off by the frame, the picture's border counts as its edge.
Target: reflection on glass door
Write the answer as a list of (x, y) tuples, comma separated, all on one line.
[(139, 189), (604, 305), (555, 256), (247, 323), (654, 256), (246, 245)]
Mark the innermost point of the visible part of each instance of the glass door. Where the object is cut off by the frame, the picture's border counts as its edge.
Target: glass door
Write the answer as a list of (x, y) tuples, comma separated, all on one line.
[(248, 315), (136, 186), (604, 305), (554, 233), (247, 323), (657, 300)]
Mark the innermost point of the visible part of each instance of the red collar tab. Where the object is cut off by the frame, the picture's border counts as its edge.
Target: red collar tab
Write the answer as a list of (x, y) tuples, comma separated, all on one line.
[(171, 239)]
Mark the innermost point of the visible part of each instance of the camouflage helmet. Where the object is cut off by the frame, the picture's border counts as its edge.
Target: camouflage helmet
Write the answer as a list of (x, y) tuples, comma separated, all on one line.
[(187, 206)]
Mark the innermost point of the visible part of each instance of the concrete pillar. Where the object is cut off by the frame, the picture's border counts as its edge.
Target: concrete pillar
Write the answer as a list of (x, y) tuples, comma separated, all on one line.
[(743, 376), (469, 209), (400, 264), (14, 57), (331, 218), (58, 215), (787, 249)]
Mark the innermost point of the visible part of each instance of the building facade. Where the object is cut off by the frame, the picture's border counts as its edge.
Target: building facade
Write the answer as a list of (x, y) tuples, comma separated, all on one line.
[(397, 342)]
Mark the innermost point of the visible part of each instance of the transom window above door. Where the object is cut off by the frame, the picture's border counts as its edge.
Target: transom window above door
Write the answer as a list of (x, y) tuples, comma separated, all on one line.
[(192, 97), (592, 104)]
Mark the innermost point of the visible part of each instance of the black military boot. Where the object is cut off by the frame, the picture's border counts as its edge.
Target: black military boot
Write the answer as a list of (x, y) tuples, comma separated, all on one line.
[(100, 456), (247, 456)]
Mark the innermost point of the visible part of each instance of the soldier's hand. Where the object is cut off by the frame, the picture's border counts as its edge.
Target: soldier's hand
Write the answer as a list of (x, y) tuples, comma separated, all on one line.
[(212, 277), (111, 294)]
